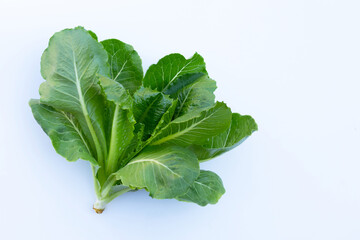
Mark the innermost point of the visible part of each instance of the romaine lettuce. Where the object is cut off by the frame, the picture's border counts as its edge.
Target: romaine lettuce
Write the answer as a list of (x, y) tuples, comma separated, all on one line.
[(138, 132)]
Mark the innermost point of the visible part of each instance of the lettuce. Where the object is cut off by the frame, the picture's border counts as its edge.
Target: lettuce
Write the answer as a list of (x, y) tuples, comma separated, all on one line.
[(138, 132)]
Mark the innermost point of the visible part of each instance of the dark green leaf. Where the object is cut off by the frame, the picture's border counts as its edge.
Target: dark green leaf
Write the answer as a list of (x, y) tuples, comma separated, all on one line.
[(162, 75), (166, 118), (125, 64), (241, 127), (194, 92), (93, 35), (149, 107), (195, 127)]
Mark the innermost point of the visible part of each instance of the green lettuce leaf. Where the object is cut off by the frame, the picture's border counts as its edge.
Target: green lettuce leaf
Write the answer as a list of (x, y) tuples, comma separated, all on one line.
[(195, 127), (149, 107), (125, 64), (164, 171), (162, 75), (70, 66), (166, 118), (193, 91), (206, 189), (93, 35), (64, 132), (135, 146), (122, 122), (241, 127), (115, 92)]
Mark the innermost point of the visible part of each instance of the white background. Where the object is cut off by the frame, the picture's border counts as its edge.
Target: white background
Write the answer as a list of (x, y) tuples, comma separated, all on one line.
[(292, 65)]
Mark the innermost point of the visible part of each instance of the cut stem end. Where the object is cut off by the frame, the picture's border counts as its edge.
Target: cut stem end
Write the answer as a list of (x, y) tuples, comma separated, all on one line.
[(98, 211), (99, 206)]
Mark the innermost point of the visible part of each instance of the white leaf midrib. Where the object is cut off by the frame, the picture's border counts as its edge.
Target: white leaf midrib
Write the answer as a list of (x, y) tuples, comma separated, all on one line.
[(77, 130), (156, 162), (85, 112), (205, 185)]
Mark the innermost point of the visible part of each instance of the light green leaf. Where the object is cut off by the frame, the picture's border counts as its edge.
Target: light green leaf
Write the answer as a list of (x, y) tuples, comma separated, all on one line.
[(70, 66), (162, 75), (149, 107), (166, 172), (241, 127), (121, 122), (64, 132), (195, 127), (115, 92), (125, 64), (206, 189)]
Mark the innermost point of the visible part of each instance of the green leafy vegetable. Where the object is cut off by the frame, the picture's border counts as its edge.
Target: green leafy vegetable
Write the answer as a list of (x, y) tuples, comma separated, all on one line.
[(137, 132)]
